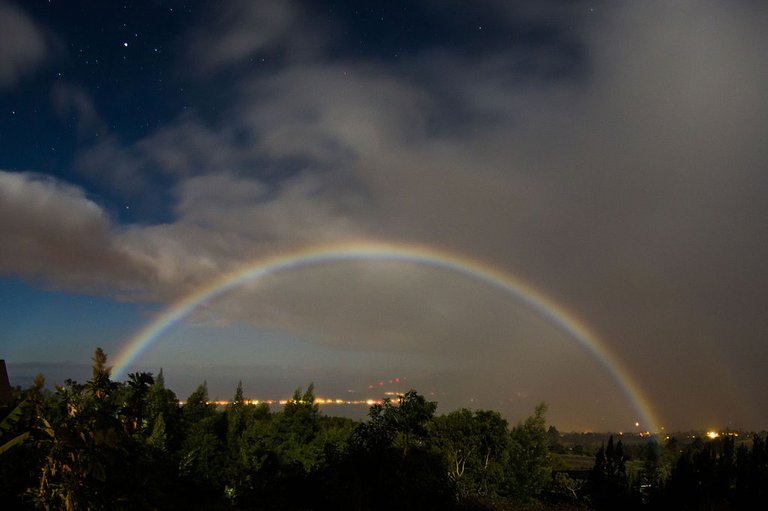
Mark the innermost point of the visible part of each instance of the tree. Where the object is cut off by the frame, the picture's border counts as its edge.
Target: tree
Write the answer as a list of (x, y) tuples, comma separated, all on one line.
[(8, 436), (20, 457), (609, 484), (158, 438), (162, 402), (402, 425), (134, 406), (88, 454), (393, 445), (554, 441), (297, 427), (100, 384), (237, 418), (474, 447), (197, 406), (530, 463), (455, 436), (410, 419)]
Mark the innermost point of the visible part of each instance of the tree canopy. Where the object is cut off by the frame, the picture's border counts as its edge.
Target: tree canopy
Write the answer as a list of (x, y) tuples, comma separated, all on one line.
[(132, 445)]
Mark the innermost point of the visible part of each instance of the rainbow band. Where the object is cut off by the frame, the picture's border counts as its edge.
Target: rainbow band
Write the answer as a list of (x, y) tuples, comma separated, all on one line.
[(398, 252)]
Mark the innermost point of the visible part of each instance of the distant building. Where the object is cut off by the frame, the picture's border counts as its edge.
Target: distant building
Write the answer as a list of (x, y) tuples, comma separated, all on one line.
[(5, 386)]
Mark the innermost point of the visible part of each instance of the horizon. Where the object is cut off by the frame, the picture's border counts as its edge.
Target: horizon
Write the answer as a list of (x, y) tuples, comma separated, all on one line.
[(274, 385)]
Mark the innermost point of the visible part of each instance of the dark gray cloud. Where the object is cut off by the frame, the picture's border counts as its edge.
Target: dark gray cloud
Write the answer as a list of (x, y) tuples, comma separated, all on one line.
[(52, 232)]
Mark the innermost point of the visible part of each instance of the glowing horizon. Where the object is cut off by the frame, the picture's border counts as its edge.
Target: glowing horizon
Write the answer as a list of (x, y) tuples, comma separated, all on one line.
[(134, 347)]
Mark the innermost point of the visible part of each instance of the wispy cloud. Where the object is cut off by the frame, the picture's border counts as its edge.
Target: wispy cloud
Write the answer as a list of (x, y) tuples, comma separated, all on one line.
[(23, 46), (243, 30)]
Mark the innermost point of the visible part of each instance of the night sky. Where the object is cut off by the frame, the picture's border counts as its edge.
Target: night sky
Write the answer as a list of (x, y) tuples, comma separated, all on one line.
[(611, 155)]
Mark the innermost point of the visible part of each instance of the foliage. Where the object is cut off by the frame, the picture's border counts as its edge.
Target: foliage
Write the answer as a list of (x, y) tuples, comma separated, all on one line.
[(609, 483), (475, 449), (130, 445), (8, 425), (90, 454), (718, 475), (530, 467)]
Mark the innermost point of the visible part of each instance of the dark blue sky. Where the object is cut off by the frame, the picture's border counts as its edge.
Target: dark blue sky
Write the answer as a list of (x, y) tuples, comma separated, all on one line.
[(608, 154)]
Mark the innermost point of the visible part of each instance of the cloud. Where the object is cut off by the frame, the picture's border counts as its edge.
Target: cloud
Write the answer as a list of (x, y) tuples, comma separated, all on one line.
[(240, 30), (70, 100), (23, 46), (120, 167), (617, 163), (627, 190), (184, 148), (224, 220), (51, 231)]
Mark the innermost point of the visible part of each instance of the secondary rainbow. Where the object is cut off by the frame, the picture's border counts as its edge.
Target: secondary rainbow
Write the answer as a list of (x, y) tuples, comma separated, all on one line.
[(410, 253)]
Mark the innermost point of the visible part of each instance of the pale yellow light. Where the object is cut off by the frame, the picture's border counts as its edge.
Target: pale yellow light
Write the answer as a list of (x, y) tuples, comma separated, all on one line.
[(713, 434)]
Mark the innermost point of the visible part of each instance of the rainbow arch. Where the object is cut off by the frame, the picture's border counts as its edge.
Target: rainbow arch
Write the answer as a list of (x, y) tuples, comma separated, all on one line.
[(134, 347)]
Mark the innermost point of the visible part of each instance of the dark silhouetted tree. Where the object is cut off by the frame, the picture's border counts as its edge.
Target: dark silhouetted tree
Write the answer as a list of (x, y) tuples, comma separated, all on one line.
[(530, 463)]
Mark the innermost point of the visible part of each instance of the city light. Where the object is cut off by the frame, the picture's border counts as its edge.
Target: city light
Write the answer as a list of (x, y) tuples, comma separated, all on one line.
[(320, 401)]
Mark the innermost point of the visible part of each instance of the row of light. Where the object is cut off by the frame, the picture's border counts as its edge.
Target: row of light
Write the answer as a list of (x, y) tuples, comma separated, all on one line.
[(318, 401)]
